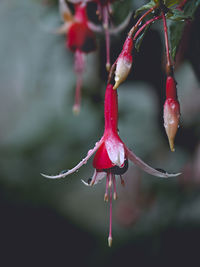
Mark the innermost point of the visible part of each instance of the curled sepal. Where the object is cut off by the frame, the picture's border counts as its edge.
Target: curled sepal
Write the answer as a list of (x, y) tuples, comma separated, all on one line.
[(65, 11), (145, 167), (80, 164), (96, 178)]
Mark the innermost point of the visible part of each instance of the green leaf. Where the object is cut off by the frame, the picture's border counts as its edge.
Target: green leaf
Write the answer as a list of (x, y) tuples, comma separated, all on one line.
[(177, 15), (177, 27), (169, 3), (149, 5)]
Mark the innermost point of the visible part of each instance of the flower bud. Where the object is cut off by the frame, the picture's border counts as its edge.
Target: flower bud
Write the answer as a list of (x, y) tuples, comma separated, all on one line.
[(124, 63), (171, 119)]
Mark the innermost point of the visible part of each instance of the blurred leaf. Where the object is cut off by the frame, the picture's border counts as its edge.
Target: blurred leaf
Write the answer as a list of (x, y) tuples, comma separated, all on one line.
[(177, 28), (144, 7)]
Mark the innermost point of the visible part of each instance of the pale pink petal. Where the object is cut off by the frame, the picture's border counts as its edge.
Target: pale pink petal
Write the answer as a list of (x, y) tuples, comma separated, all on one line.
[(96, 178), (141, 164), (65, 12), (80, 164), (115, 150), (63, 29), (95, 28)]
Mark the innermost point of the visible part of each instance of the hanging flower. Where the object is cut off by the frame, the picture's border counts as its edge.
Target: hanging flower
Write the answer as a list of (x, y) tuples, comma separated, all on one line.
[(80, 40), (112, 155)]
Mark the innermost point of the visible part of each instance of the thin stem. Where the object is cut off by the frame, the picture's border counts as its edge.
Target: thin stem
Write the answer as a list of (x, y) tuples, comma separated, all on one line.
[(169, 63), (110, 225), (114, 187), (107, 35), (79, 66), (134, 28), (77, 101), (106, 193), (145, 25)]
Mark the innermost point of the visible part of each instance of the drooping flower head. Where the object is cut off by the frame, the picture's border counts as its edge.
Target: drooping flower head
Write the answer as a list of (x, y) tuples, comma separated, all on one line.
[(80, 40), (112, 155)]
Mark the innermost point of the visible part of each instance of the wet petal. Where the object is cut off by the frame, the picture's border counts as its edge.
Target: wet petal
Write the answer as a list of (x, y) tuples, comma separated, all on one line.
[(80, 164), (115, 150), (141, 164)]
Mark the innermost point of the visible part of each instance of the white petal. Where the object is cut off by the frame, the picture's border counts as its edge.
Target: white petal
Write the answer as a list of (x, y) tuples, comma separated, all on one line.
[(141, 164), (115, 150), (80, 164)]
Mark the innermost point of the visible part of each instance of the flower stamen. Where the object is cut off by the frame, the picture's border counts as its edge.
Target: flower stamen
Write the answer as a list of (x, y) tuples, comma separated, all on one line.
[(110, 225)]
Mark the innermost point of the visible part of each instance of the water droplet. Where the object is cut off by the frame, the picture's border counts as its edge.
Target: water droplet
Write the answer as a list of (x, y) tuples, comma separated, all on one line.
[(160, 170), (63, 171)]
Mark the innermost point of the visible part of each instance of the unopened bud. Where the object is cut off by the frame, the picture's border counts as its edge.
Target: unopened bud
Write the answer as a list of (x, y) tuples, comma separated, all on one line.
[(124, 63), (110, 241), (171, 119)]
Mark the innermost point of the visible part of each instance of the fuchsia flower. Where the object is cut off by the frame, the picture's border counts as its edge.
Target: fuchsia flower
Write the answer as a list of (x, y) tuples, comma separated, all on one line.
[(80, 40), (112, 155), (171, 111)]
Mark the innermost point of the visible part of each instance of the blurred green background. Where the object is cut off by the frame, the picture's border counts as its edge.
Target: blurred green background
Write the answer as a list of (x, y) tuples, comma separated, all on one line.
[(63, 223)]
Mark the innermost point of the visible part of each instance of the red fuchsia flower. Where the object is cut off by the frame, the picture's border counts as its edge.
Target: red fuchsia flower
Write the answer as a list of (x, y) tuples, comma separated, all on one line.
[(124, 62), (171, 111), (112, 155), (80, 40)]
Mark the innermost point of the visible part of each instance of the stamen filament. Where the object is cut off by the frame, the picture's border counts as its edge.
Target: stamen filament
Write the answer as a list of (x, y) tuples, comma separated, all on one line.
[(110, 225), (107, 35), (79, 68), (122, 181), (114, 187), (106, 193), (77, 101)]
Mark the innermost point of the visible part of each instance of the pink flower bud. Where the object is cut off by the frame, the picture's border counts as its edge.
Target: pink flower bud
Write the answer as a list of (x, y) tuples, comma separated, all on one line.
[(171, 111), (124, 63), (171, 119)]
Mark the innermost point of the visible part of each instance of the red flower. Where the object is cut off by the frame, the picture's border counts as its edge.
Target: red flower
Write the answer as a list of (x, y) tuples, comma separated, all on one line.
[(112, 155)]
